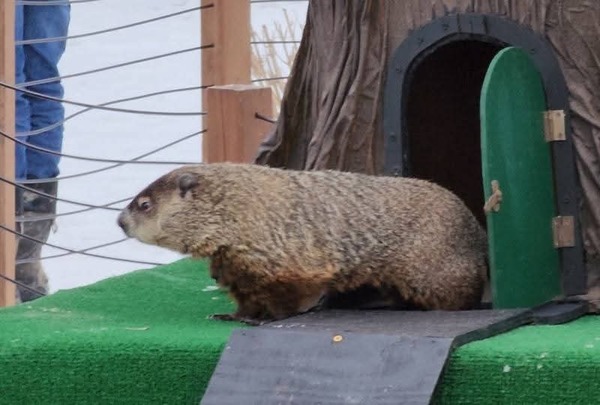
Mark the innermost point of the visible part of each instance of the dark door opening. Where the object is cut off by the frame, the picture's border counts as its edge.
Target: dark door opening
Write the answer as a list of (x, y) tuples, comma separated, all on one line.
[(442, 118)]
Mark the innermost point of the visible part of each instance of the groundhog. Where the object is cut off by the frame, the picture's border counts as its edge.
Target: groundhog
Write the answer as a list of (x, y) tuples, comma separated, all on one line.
[(284, 242)]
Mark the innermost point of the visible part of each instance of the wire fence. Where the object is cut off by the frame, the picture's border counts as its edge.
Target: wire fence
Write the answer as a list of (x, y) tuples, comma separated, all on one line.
[(158, 115)]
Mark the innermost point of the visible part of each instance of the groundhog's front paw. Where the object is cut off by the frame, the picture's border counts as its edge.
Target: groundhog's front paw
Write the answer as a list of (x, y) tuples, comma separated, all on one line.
[(223, 317), (237, 318)]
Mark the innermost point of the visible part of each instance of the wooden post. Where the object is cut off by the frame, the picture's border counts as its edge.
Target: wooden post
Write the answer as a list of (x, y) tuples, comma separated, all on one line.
[(7, 151), (234, 131), (226, 25)]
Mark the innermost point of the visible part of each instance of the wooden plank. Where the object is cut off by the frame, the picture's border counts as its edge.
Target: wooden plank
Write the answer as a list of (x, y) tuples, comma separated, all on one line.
[(213, 141), (7, 151), (524, 263), (234, 131), (226, 25)]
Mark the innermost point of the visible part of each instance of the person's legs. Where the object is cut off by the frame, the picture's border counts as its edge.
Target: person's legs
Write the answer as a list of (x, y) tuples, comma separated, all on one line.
[(22, 121), (41, 62)]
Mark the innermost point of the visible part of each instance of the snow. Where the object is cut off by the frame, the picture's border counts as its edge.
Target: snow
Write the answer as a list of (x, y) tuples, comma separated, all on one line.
[(116, 135)]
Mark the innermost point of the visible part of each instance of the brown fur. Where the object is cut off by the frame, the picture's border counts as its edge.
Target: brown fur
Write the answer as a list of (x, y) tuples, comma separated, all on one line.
[(284, 241)]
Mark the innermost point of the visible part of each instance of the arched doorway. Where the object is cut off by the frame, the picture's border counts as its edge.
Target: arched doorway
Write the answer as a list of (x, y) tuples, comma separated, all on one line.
[(431, 114)]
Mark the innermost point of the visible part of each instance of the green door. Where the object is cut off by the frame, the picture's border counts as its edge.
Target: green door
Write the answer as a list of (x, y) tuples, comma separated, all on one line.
[(524, 265)]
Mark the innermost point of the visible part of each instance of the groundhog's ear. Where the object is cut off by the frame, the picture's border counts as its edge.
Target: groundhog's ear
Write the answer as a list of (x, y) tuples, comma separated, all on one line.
[(186, 182)]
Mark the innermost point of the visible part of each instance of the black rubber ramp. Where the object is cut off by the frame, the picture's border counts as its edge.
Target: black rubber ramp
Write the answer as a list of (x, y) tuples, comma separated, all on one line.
[(349, 357)]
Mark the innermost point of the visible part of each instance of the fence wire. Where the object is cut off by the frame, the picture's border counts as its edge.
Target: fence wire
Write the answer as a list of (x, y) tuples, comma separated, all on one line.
[(51, 197), (116, 66), (91, 159), (105, 106), (40, 131), (78, 252), (21, 218), (22, 285), (97, 106), (106, 31), (56, 256)]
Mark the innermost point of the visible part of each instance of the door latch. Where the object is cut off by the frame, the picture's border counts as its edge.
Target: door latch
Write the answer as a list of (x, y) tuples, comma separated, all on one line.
[(493, 202)]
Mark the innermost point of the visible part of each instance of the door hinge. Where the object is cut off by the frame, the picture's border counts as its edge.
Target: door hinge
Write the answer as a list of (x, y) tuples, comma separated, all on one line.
[(554, 125), (563, 230)]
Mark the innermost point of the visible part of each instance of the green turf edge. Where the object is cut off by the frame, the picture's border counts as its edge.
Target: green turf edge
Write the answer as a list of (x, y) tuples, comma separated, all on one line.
[(139, 345), (530, 365)]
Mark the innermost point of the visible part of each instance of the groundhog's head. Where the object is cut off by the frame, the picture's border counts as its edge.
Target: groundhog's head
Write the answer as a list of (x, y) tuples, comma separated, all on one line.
[(178, 211)]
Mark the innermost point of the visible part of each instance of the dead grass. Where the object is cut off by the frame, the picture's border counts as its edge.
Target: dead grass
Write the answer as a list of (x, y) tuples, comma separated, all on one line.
[(274, 60)]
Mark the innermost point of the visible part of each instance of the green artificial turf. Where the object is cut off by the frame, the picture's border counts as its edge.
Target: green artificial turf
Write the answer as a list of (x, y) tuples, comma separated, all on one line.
[(144, 338), (139, 338), (558, 364)]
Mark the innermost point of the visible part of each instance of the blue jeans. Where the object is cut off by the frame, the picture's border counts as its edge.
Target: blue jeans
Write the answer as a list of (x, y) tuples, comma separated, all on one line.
[(35, 62)]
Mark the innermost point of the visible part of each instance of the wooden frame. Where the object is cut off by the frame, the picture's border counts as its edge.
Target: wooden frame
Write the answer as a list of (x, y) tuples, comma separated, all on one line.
[(235, 132)]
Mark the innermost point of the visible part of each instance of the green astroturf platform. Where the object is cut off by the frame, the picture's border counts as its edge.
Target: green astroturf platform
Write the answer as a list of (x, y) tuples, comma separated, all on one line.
[(143, 338)]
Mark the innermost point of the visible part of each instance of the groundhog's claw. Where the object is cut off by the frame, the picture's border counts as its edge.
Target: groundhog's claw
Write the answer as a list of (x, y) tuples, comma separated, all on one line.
[(234, 317)]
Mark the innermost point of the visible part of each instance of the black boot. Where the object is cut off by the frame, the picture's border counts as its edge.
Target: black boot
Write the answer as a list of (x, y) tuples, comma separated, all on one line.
[(38, 213)]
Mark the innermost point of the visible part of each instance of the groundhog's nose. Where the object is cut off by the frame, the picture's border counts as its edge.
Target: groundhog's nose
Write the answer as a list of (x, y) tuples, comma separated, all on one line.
[(121, 222)]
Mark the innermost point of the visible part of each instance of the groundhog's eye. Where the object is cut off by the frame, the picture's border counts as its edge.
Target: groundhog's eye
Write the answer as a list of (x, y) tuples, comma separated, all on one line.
[(144, 204)]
